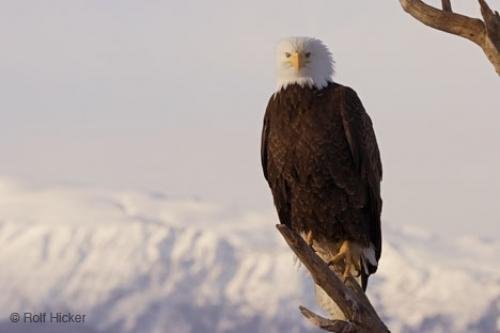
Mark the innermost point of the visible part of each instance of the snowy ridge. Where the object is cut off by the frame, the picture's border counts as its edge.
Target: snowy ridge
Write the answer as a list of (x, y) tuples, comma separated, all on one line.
[(142, 262)]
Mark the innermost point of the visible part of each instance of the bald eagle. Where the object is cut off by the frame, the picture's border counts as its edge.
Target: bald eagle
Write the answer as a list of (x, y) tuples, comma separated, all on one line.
[(321, 160)]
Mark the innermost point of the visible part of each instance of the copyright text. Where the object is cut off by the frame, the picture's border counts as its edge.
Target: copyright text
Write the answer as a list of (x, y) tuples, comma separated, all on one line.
[(47, 317)]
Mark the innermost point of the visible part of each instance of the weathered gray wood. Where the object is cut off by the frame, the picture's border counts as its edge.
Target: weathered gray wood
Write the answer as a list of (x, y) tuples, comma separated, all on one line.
[(328, 324), (485, 34), (352, 301)]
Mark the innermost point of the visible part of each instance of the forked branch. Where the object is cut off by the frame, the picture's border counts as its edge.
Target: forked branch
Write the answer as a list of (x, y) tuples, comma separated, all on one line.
[(446, 5), (485, 33), (352, 301)]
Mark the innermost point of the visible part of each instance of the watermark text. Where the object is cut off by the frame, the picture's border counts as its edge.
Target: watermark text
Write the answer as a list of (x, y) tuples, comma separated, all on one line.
[(47, 317)]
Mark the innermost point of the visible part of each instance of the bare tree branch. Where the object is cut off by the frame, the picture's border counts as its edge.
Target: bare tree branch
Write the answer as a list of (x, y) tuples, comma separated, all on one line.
[(492, 22), (485, 34), (328, 324), (352, 301), (453, 23), (446, 5)]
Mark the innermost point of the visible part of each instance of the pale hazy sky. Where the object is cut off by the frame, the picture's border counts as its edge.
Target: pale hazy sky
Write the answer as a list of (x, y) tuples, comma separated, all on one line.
[(169, 96)]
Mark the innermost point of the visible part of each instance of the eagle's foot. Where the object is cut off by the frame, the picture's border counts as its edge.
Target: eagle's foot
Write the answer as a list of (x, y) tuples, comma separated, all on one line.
[(309, 238), (350, 255)]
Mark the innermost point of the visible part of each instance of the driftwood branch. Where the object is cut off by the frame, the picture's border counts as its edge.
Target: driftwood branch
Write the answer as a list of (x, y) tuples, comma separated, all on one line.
[(352, 301), (446, 5), (485, 34)]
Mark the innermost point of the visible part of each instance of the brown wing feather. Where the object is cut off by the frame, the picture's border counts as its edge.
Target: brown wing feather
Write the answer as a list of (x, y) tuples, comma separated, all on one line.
[(366, 156), (281, 191), (263, 145)]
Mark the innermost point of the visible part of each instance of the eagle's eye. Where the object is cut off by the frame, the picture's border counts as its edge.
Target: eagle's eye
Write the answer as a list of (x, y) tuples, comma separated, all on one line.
[(288, 54), (308, 54)]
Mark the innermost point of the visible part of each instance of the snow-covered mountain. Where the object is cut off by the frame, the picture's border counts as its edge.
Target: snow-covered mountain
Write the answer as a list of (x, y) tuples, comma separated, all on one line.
[(147, 263)]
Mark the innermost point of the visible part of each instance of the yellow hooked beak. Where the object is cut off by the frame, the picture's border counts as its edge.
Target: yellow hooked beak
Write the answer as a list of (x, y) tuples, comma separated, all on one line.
[(296, 61)]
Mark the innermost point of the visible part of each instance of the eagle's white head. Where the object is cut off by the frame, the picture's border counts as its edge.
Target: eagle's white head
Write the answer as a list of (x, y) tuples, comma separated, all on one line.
[(305, 61)]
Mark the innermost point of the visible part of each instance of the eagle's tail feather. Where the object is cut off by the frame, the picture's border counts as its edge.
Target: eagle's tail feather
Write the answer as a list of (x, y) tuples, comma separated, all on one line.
[(364, 280)]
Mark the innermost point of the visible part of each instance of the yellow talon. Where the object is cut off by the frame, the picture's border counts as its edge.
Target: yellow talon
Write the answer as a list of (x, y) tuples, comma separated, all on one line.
[(309, 238), (350, 254)]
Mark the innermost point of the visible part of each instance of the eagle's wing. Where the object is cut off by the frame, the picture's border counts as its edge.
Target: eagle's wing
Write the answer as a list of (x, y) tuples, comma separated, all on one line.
[(281, 191), (264, 142), (360, 135)]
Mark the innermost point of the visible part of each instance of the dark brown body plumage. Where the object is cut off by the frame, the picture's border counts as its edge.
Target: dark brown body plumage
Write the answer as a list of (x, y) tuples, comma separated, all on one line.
[(322, 163)]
